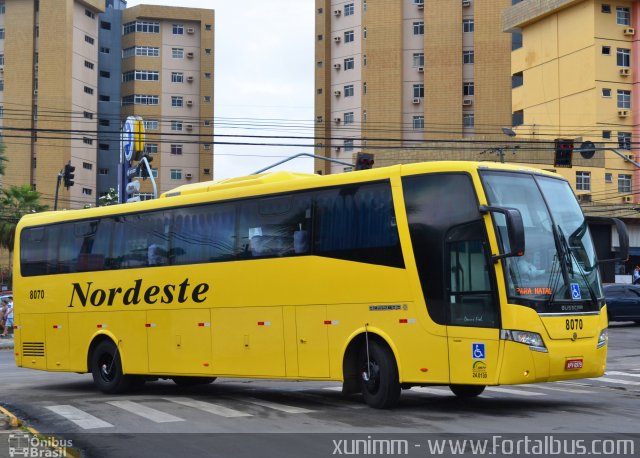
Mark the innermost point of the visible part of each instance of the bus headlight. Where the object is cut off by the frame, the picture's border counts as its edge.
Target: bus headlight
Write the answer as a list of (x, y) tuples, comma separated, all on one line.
[(533, 339), (602, 338)]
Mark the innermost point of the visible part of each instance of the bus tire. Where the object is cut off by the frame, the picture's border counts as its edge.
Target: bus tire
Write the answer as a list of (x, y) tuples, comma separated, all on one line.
[(193, 381), (106, 368), (467, 391), (378, 376)]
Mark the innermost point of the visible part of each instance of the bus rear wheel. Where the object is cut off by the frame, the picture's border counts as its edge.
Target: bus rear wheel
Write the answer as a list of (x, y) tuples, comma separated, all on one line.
[(378, 375), (467, 391), (193, 381), (106, 368)]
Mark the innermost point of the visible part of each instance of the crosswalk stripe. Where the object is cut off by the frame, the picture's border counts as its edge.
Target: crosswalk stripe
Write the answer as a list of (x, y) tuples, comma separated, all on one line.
[(154, 415), (628, 374), (564, 390), (614, 380), (516, 392), (209, 407), (275, 405), (79, 417), (436, 391)]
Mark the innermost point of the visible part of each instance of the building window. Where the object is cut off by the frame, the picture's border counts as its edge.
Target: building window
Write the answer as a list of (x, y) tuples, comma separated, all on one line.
[(468, 120), (177, 53), (348, 117), (176, 125), (89, 39), (88, 90), (624, 183), (177, 101), (349, 36), (467, 57), (105, 50), (467, 25), (364, 60), (583, 181), (86, 191), (418, 122), (348, 90), (105, 25), (207, 27), (207, 147), (89, 13), (364, 33), (87, 115), (207, 99), (104, 98), (177, 77), (418, 90), (348, 145), (606, 8), (104, 122), (176, 149), (2, 33), (140, 75), (517, 79), (606, 134), (623, 15), (206, 171), (364, 88), (623, 57), (147, 51), (105, 74), (624, 99), (151, 125), (151, 148), (207, 75), (320, 37), (606, 92), (606, 50), (178, 29), (1, 85), (516, 40), (517, 118), (88, 64), (2, 7), (418, 59), (418, 28), (349, 63), (207, 50), (87, 141), (624, 140), (608, 177), (176, 174), (349, 9), (141, 99), (467, 89), (103, 146), (103, 171), (87, 166), (141, 26)]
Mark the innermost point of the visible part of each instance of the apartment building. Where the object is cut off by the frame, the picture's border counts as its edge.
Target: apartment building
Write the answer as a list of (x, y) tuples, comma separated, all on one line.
[(48, 81), (72, 71), (575, 77), (395, 74)]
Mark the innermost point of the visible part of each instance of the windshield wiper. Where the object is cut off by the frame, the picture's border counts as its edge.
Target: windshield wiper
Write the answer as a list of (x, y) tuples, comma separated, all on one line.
[(572, 258)]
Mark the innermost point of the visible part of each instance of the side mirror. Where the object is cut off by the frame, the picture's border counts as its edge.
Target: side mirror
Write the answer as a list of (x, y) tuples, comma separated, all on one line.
[(623, 235), (515, 230)]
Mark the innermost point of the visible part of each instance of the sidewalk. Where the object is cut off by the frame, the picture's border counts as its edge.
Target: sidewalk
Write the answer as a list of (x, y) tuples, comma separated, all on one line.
[(6, 343)]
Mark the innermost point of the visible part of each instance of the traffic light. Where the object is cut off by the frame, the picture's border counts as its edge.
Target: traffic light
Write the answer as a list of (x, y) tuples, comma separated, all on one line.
[(68, 175), (364, 161), (563, 153), (144, 173)]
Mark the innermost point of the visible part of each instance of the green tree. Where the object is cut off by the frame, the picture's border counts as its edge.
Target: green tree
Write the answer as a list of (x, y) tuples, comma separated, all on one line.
[(3, 159), (16, 202)]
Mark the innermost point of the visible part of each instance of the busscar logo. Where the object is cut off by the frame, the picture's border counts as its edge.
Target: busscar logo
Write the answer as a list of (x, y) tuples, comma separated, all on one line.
[(479, 369), (165, 294)]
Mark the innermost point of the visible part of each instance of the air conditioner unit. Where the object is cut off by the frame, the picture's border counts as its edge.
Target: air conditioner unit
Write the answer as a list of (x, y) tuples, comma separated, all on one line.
[(337, 12), (1, 68), (623, 113), (189, 79), (627, 199), (188, 176), (625, 71), (629, 31), (188, 126), (420, 69), (336, 39), (337, 93), (416, 100), (337, 149), (189, 55), (191, 30), (584, 197), (466, 3), (337, 66), (189, 103), (420, 6), (467, 102), (337, 120), (631, 157)]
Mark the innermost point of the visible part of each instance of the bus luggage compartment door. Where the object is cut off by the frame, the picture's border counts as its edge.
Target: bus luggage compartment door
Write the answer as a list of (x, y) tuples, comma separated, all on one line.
[(57, 333), (473, 360)]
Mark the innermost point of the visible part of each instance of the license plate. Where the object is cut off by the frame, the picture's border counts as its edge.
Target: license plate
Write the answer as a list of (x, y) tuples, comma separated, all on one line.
[(573, 364)]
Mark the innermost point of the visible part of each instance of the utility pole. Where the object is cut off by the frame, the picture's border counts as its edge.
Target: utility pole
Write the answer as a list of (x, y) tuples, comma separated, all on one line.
[(55, 202)]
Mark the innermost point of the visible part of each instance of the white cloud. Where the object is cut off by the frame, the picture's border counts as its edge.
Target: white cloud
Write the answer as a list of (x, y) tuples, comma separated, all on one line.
[(263, 76)]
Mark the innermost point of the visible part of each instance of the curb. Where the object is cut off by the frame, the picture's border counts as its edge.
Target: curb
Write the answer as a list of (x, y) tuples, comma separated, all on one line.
[(6, 344)]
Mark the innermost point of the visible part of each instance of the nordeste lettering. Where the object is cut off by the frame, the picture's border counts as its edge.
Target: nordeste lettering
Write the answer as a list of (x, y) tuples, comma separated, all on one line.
[(86, 294)]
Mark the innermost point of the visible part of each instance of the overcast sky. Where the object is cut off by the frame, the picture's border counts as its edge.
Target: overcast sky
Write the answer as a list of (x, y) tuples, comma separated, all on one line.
[(263, 76)]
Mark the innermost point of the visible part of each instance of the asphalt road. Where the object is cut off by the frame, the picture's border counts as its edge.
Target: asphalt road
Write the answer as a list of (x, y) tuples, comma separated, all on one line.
[(217, 417)]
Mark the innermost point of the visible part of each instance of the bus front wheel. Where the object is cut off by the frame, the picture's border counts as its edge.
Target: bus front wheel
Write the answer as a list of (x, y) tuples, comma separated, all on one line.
[(378, 373), (467, 391), (106, 368)]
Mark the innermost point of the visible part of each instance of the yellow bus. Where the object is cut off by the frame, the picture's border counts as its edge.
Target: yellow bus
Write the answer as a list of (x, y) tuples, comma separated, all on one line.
[(445, 273)]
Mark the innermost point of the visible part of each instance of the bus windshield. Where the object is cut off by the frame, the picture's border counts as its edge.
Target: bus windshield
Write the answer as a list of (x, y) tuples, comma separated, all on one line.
[(558, 272)]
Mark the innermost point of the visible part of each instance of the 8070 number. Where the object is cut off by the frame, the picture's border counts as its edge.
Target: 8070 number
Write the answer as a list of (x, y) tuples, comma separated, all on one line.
[(36, 294), (573, 323)]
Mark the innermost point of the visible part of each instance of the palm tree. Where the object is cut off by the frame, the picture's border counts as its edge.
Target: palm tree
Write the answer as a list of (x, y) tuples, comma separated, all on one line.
[(16, 202)]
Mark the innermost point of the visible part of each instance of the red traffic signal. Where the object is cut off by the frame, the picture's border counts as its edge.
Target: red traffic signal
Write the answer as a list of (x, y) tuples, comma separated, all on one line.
[(364, 161), (563, 153)]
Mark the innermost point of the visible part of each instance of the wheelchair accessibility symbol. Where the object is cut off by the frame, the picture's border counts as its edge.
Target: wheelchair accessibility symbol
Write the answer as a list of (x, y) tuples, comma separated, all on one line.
[(575, 292), (477, 350)]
